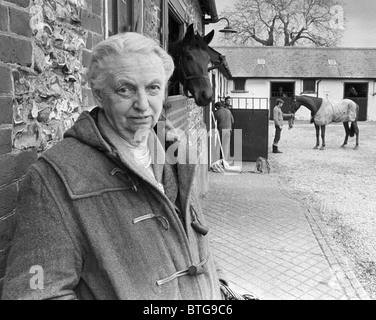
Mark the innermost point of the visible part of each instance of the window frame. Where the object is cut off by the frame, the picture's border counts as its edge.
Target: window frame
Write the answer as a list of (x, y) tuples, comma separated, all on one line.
[(175, 11), (308, 90), (124, 16), (236, 84), (130, 17)]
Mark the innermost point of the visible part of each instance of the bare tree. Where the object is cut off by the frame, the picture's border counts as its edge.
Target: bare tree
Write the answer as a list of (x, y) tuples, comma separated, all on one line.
[(287, 22)]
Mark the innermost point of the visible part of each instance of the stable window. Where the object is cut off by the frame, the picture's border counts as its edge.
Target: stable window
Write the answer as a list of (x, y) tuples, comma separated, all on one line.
[(309, 86), (239, 84), (282, 89), (118, 16), (176, 31), (128, 15), (356, 90), (111, 17)]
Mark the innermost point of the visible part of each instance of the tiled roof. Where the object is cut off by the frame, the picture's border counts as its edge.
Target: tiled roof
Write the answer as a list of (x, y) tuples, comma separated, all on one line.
[(217, 59), (300, 62)]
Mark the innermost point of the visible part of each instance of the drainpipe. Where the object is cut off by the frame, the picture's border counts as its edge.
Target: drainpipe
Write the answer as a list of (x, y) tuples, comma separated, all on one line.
[(318, 86), (212, 8)]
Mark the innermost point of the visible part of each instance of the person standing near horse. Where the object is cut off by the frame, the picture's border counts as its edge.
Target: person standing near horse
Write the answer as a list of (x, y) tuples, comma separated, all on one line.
[(324, 112), (225, 121), (278, 117), (107, 214)]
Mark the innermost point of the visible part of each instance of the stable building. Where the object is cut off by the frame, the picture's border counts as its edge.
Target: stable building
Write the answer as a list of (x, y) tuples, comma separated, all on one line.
[(260, 75)]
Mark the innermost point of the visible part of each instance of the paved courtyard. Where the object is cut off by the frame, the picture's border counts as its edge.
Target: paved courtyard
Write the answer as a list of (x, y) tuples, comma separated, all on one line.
[(271, 245)]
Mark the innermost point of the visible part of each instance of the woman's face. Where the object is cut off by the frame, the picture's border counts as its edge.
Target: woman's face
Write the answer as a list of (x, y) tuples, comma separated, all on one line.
[(133, 97)]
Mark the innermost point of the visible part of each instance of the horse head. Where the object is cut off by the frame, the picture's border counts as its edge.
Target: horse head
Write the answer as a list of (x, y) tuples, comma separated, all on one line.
[(294, 105), (353, 92), (192, 63)]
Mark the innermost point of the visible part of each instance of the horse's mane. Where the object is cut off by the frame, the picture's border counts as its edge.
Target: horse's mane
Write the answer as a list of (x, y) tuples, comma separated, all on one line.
[(305, 100), (174, 48), (200, 43), (310, 97)]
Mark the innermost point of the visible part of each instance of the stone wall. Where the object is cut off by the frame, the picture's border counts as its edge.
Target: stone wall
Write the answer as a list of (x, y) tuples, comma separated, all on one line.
[(152, 19), (51, 94), (44, 48)]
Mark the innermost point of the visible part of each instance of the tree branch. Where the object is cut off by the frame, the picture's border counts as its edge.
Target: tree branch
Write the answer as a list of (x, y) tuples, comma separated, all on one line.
[(274, 22)]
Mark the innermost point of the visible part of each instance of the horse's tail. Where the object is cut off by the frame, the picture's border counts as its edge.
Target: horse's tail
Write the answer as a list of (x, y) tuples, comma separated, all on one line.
[(352, 129)]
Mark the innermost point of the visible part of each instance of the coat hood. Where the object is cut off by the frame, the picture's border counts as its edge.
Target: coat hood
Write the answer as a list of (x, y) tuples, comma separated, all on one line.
[(86, 130)]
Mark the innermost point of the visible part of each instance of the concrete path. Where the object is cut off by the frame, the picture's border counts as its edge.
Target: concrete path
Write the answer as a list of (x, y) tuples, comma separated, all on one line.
[(271, 245)]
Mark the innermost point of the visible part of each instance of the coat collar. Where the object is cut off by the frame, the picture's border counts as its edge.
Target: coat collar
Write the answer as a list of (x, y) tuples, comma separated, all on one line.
[(171, 168)]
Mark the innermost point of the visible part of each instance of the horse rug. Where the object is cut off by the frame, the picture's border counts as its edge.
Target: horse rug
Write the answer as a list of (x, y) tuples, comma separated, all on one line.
[(343, 111)]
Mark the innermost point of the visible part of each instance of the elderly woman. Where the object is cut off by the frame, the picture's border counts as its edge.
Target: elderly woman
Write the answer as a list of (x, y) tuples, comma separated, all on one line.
[(107, 213)]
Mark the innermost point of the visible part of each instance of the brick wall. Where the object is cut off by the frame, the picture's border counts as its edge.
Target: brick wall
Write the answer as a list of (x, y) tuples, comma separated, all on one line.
[(44, 49), (152, 18)]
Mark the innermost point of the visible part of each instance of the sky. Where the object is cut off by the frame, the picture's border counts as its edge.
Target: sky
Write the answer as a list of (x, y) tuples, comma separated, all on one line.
[(360, 23)]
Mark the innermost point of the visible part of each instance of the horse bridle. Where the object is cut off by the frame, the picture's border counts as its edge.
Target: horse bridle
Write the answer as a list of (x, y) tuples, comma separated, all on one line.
[(188, 78), (293, 105)]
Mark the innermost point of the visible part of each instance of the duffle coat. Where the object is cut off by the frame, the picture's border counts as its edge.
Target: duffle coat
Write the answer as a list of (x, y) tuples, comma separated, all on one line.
[(93, 225)]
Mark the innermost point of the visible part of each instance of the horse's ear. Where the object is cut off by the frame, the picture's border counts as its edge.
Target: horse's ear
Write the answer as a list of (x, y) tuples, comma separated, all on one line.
[(209, 37), (190, 32)]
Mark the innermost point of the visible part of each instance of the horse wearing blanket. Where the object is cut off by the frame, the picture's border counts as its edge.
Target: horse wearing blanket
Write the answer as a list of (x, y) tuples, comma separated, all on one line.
[(324, 112)]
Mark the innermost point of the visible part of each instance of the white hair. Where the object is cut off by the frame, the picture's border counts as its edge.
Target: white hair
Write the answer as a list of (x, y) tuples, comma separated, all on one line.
[(121, 45)]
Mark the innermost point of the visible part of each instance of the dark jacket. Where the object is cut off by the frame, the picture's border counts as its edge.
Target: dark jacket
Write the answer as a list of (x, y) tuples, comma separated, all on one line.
[(224, 118), (101, 228)]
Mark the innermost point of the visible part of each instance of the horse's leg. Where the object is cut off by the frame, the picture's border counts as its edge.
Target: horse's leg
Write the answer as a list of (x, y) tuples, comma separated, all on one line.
[(323, 137), (347, 130), (356, 127), (317, 136)]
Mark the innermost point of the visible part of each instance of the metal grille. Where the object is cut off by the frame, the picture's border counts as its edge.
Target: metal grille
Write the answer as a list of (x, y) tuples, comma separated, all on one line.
[(250, 103)]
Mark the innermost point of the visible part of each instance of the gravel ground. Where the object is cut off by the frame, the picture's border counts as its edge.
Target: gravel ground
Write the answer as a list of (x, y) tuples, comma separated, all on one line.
[(337, 183)]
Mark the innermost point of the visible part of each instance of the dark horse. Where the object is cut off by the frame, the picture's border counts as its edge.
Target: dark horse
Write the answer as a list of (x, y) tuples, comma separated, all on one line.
[(191, 57), (324, 112)]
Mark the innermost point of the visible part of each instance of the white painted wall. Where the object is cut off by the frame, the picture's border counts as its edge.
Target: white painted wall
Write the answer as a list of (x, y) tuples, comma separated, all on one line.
[(221, 89), (254, 88), (328, 89)]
